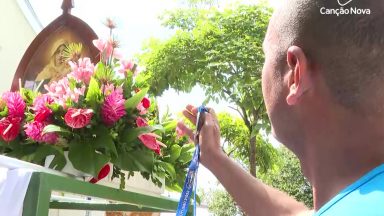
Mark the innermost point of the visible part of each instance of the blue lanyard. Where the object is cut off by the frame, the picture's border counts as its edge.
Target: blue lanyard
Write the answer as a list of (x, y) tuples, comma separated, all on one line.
[(190, 183)]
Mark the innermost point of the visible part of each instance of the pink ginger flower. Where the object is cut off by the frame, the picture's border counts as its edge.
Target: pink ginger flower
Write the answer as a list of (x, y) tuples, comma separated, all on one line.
[(113, 108), (149, 139), (10, 128), (82, 71), (42, 112), (78, 118), (125, 65), (34, 130), (15, 103), (61, 92)]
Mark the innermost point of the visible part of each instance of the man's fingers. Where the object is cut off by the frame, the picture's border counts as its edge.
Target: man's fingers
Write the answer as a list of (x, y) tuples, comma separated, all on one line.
[(190, 116), (213, 116), (186, 130), (192, 109), (212, 112), (190, 113)]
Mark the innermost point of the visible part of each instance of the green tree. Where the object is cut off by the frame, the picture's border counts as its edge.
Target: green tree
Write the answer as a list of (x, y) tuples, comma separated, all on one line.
[(220, 50), (220, 203), (235, 135), (287, 177)]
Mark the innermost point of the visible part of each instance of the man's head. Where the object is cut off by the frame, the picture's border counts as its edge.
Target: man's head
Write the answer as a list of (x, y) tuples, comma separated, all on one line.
[(318, 62)]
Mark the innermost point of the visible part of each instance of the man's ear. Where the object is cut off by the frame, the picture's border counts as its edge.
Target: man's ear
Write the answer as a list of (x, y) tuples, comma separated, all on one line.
[(298, 76)]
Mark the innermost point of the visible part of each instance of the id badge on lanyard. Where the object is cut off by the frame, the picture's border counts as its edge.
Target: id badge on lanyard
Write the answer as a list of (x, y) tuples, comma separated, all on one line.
[(190, 183)]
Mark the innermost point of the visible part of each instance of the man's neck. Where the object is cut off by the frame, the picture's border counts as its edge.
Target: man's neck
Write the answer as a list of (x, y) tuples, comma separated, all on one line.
[(340, 154)]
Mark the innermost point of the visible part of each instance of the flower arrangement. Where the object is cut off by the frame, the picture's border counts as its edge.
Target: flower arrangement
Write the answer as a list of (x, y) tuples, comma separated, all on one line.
[(99, 114)]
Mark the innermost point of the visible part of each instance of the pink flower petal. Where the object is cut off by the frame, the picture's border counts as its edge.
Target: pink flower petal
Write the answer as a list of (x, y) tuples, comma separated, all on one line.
[(150, 142), (78, 118), (113, 108)]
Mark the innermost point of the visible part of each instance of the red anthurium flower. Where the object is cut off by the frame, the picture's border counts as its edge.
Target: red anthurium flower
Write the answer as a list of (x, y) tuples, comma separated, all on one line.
[(42, 112), (140, 122), (150, 141), (9, 128), (102, 174), (78, 118), (146, 103), (141, 108)]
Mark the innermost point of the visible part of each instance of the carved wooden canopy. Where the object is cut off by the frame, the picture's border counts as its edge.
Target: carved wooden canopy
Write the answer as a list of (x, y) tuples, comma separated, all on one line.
[(43, 59)]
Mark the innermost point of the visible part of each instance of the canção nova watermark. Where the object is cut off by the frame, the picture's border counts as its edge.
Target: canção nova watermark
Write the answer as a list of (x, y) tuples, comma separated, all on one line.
[(345, 10)]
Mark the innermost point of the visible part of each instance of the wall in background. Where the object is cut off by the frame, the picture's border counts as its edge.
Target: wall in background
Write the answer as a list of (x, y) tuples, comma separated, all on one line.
[(15, 36)]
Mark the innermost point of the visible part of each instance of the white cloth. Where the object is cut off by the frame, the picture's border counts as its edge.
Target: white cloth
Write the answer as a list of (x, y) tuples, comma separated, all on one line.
[(13, 187)]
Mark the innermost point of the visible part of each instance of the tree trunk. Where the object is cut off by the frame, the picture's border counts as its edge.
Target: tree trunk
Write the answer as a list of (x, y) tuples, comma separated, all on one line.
[(252, 156)]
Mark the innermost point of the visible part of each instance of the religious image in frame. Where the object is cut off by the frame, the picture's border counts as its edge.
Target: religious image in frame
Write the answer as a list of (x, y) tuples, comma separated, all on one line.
[(48, 63)]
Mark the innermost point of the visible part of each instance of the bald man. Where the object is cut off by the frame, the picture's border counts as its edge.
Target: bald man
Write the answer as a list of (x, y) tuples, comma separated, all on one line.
[(323, 86)]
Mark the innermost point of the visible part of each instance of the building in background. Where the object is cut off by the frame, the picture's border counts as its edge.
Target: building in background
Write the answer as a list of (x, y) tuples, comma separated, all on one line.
[(19, 26)]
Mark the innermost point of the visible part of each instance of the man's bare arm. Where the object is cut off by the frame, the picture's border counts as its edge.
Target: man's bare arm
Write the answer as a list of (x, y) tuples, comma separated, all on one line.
[(253, 196)]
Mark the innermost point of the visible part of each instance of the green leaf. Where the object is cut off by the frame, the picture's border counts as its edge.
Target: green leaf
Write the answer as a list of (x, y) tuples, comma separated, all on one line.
[(131, 134), (175, 153), (139, 160), (85, 158), (22, 152), (186, 154), (54, 128), (58, 162), (102, 139), (40, 152), (72, 83), (94, 93), (132, 102), (187, 147), (127, 85), (169, 169), (4, 113), (103, 72), (125, 162), (174, 187), (185, 158), (170, 126), (28, 96)]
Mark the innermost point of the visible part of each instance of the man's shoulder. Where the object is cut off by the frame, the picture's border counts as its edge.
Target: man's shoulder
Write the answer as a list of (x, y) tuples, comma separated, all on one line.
[(363, 197)]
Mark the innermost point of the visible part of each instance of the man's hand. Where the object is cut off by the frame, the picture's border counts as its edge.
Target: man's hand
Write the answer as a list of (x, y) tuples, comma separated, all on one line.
[(254, 197), (210, 147)]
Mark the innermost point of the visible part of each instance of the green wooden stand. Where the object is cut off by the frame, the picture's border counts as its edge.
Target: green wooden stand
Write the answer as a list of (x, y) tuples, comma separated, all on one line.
[(38, 200)]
